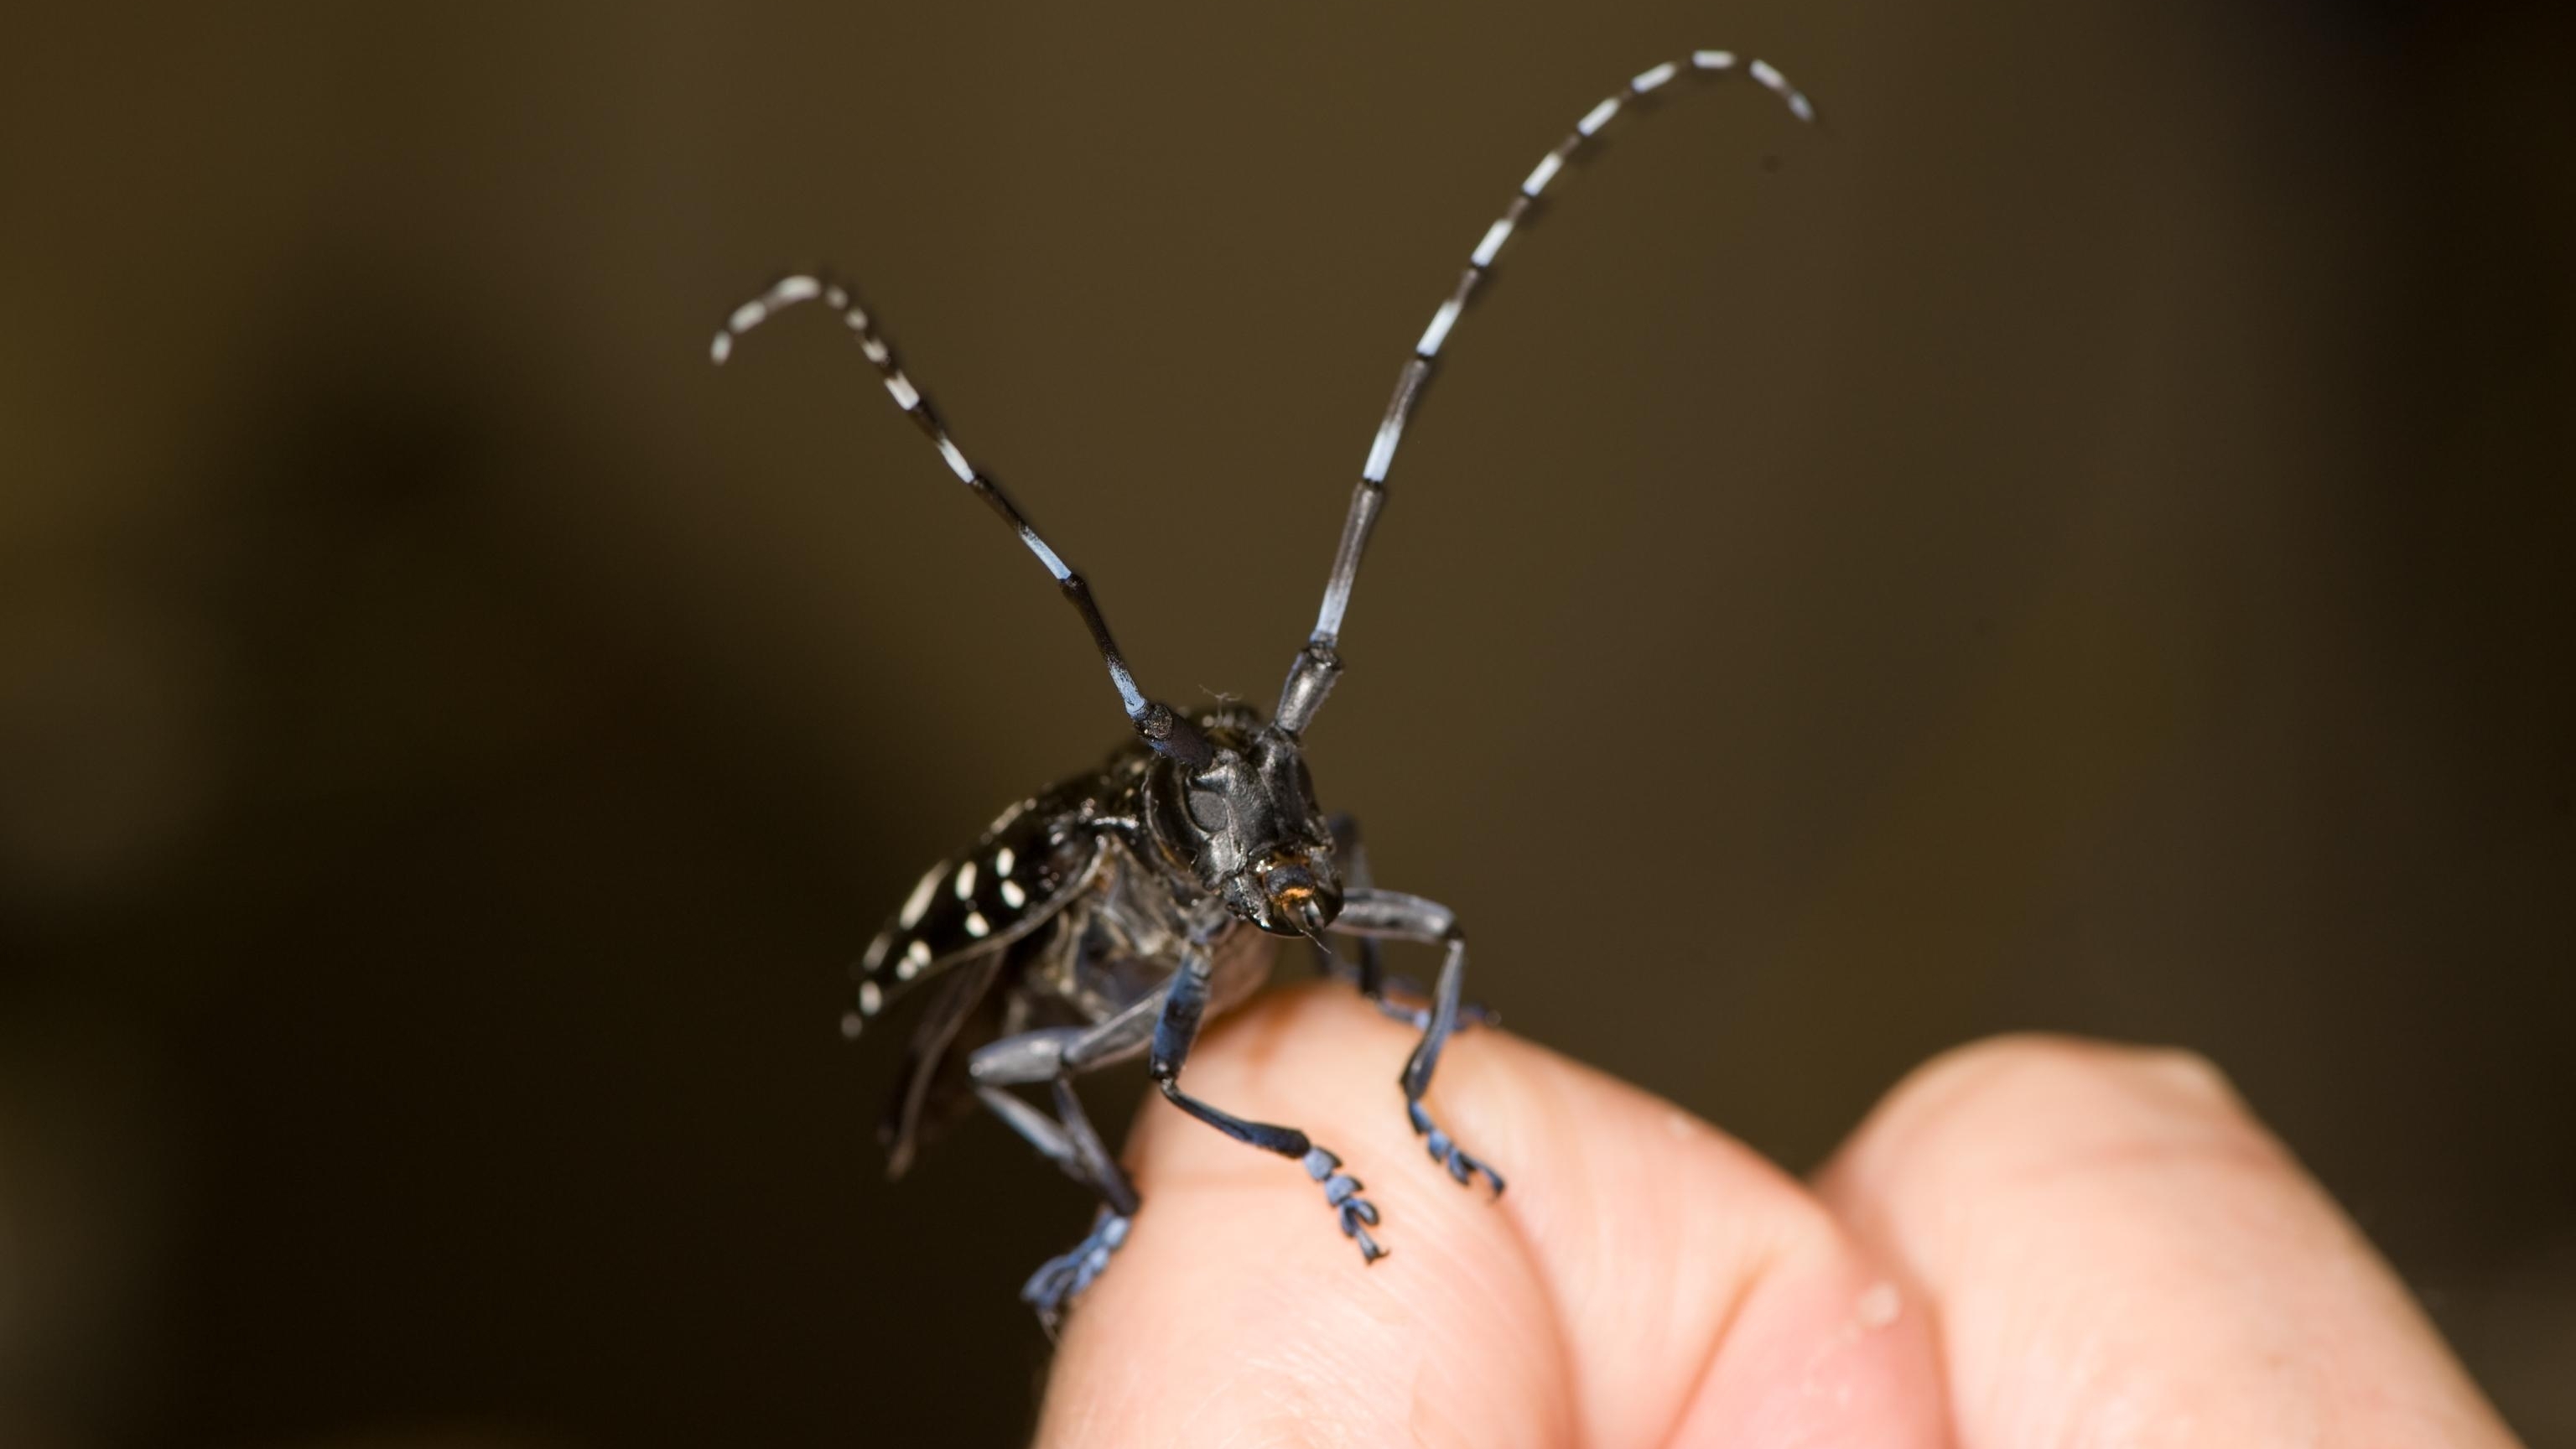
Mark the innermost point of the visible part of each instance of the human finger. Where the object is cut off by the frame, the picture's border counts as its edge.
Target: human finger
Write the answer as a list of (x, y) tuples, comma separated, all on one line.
[(1645, 1281), (2117, 1252)]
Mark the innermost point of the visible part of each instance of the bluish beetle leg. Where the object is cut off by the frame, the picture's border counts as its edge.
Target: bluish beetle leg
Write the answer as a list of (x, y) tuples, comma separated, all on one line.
[(1075, 1147), (1411, 918), (1174, 1033), (1368, 973), (1470, 1013), (1067, 1139)]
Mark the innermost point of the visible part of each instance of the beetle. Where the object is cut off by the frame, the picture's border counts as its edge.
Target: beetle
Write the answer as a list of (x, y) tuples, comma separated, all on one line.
[(1110, 916)]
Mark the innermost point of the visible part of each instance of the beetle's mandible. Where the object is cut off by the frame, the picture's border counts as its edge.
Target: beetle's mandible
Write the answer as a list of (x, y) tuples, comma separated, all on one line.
[(1109, 917)]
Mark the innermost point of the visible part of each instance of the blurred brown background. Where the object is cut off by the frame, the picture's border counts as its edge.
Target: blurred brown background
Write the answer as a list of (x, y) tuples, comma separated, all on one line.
[(2082, 544)]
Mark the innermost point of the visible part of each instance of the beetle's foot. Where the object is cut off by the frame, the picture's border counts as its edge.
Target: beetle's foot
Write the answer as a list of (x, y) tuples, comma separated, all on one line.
[(1446, 1151), (1342, 1194), (1059, 1280), (1472, 1013)]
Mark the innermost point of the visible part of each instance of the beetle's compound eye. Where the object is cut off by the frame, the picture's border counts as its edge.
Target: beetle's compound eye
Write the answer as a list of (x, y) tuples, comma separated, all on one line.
[(1208, 810)]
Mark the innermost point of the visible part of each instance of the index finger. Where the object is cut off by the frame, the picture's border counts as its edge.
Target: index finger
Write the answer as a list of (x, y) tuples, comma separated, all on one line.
[(1645, 1281)]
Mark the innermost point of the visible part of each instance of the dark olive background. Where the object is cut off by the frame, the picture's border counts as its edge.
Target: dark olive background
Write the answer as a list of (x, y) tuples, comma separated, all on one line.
[(2082, 543)]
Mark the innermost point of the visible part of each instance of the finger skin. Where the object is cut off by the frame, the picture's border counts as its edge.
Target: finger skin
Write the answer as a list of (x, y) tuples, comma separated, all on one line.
[(1646, 1281), (2117, 1253)]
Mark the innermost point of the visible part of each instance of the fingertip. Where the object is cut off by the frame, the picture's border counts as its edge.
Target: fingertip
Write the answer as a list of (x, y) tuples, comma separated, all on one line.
[(2048, 1191)]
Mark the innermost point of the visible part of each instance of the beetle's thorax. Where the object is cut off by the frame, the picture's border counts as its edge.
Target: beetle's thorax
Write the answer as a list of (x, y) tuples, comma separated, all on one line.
[(1245, 827)]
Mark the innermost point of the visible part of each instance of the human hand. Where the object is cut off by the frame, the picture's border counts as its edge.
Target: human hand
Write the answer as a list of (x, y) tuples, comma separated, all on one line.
[(2030, 1242)]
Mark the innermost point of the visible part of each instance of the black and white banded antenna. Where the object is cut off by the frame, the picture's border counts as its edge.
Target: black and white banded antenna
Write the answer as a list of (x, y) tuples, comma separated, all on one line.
[(1310, 679), (1161, 726)]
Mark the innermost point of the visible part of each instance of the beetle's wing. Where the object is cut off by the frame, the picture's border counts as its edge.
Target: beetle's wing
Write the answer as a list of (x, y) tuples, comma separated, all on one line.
[(1040, 854), (960, 994)]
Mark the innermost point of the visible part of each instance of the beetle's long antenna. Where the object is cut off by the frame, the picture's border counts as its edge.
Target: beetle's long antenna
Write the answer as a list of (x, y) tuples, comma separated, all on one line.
[(1311, 678), (1163, 727)]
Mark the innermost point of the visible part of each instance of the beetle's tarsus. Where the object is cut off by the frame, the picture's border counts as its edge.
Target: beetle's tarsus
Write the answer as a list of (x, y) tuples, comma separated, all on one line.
[(1445, 1150), (1059, 1280), (1342, 1193)]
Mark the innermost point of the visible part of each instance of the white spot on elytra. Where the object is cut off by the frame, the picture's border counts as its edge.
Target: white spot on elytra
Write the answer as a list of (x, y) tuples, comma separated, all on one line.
[(1013, 896), (977, 926), (918, 901), (871, 996), (915, 957), (1879, 1304), (1005, 860), (966, 881), (852, 1024)]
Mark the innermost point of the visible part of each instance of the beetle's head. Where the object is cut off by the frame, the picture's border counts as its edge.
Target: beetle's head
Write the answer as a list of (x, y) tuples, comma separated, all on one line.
[(1246, 824)]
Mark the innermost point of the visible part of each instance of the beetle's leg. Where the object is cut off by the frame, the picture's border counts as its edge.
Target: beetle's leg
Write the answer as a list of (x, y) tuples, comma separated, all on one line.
[(1174, 1032), (1411, 918), (1068, 1139), (1368, 973)]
